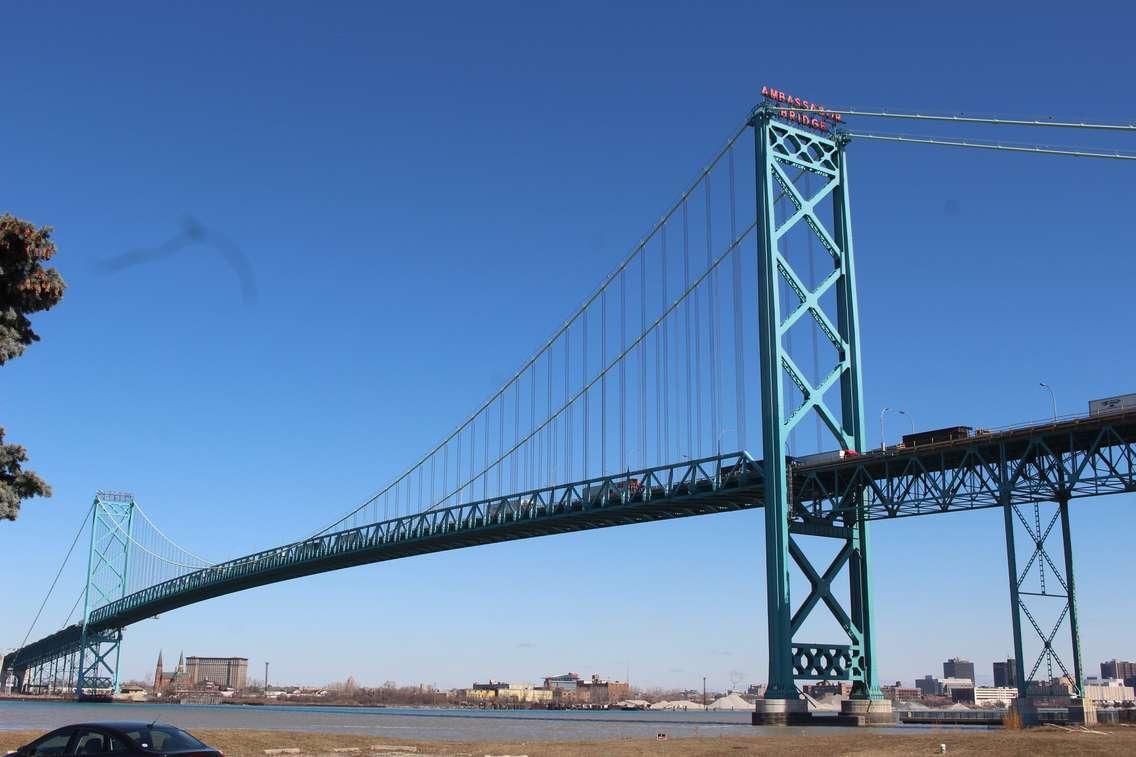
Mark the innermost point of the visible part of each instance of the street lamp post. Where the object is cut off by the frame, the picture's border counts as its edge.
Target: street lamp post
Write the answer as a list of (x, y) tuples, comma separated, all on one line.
[(718, 448), (718, 440), (885, 411), (266, 679), (1052, 397)]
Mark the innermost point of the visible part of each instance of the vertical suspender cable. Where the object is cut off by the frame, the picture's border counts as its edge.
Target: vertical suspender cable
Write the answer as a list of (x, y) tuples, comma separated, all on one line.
[(739, 336), (552, 438), (603, 384), (712, 308), (587, 392), (666, 419), (660, 390), (623, 373), (472, 458), (533, 447), (642, 362), (516, 436), (571, 422), (696, 358), (500, 466), (688, 356)]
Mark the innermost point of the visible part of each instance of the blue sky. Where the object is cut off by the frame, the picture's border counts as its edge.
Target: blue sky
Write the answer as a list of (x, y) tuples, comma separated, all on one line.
[(424, 192)]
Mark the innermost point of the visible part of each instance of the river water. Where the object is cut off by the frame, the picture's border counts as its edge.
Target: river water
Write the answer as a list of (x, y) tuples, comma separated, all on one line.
[(424, 724)]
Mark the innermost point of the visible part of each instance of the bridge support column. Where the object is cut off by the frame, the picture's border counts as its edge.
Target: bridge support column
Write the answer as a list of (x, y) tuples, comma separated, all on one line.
[(108, 562), (787, 397), (1043, 592)]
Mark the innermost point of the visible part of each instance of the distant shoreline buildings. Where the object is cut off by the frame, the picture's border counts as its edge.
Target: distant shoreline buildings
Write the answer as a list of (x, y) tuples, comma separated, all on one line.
[(564, 690), (1117, 684), (201, 674), (195, 679)]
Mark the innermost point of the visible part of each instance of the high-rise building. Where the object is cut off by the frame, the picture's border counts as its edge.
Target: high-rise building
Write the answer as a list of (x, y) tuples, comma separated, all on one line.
[(1006, 673), (1122, 669), (929, 686), (226, 672), (956, 667), (951, 685)]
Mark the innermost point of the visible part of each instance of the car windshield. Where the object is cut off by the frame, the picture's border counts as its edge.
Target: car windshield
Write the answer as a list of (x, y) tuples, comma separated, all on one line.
[(163, 738)]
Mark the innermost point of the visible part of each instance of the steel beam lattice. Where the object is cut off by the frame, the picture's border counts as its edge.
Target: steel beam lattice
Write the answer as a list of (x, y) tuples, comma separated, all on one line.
[(108, 564), (783, 149), (1049, 605)]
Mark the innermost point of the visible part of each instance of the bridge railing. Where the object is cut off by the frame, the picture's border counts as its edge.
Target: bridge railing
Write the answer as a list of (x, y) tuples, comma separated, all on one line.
[(638, 488)]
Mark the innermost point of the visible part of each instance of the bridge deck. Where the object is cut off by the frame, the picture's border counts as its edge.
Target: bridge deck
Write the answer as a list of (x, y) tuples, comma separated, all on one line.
[(1077, 458), (696, 487), (1082, 457)]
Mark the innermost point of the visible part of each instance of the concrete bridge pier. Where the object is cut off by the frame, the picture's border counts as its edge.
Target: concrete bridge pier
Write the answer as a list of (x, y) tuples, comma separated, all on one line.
[(861, 712), (853, 712), (781, 712)]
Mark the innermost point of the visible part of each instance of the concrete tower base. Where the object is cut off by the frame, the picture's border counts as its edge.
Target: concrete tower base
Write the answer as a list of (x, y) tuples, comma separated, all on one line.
[(853, 712), (781, 712), (1082, 711), (861, 712)]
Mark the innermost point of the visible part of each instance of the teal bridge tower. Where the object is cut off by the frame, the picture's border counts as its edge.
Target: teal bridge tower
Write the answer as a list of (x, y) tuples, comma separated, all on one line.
[(786, 154)]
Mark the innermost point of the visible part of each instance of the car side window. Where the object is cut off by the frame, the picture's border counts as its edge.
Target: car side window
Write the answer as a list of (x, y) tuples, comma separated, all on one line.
[(88, 741), (52, 745)]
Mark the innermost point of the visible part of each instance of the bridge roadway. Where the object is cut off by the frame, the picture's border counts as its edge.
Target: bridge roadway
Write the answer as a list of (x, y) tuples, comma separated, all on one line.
[(1076, 458)]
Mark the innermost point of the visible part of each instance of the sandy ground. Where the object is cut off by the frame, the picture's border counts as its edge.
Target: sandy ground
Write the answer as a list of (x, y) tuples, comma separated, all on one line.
[(1042, 741)]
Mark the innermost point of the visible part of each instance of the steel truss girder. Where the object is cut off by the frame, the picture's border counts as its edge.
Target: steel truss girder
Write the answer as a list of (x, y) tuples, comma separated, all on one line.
[(1079, 458), (781, 148), (719, 483)]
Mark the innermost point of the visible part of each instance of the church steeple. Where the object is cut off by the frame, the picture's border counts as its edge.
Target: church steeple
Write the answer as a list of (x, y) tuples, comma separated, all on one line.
[(181, 663), (158, 673)]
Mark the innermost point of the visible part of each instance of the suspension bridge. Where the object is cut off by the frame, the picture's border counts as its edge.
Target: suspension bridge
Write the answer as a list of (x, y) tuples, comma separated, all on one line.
[(745, 286)]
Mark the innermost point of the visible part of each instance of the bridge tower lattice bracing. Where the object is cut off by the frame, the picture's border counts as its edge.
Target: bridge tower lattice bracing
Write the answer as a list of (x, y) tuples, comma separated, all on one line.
[(1043, 597), (108, 563), (787, 298)]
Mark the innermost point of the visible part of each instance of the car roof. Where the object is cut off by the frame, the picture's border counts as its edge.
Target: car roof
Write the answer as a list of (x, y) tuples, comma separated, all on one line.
[(118, 725)]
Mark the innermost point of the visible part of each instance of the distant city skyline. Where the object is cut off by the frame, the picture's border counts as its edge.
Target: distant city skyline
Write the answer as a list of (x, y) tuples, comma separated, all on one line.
[(422, 197), (1112, 668)]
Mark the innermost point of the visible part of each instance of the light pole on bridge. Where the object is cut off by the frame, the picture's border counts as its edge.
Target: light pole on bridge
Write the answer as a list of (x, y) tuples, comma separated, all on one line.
[(883, 439), (1052, 398), (718, 440)]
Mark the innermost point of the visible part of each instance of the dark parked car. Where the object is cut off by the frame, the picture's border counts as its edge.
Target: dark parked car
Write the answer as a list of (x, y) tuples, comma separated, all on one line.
[(125, 738)]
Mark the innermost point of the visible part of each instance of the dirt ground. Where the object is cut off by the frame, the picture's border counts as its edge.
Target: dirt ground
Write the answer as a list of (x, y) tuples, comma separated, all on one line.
[(1114, 740)]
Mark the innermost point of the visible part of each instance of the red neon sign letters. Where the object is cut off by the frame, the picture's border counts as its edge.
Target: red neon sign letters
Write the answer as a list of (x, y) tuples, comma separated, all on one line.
[(817, 116)]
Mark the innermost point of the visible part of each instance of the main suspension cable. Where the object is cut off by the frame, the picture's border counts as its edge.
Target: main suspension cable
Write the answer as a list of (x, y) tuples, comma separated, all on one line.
[(161, 558), (82, 527), (564, 327), (994, 120), (74, 607), (161, 533), (1035, 149)]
